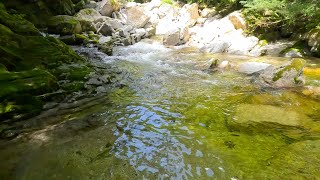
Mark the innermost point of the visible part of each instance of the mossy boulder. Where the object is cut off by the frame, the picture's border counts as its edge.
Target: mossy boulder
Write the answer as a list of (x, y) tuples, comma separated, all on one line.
[(88, 14), (107, 48), (28, 67), (74, 39), (313, 39), (288, 75), (299, 49), (35, 81), (20, 90), (40, 10), (73, 72), (64, 24), (26, 52), (17, 23)]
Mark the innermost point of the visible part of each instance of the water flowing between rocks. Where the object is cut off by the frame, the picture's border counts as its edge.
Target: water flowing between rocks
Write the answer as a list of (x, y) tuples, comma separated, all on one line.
[(172, 119)]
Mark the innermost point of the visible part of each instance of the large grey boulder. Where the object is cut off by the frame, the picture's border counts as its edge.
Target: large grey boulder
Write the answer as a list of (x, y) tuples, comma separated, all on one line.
[(313, 39), (166, 25), (208, 12), (88, 18), (240, 44), (105, 39), (137, 17), (271, 49), (140, 32), (88, 14), (106, 8), (294, 53), (110, 26), (172, 38), (189, 14), (64, 24), (152, 5), (166, 10), (150, 31), (91, 4), (218, 46), (106, 29), (288, 75), (237, 20), (120, 16), (184, 34)]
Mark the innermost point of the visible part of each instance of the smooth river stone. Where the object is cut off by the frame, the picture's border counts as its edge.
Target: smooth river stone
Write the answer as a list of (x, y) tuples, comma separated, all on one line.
[(252, 67)]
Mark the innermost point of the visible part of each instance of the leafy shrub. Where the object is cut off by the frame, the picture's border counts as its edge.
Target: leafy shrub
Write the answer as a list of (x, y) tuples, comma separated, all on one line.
[(285, 15)]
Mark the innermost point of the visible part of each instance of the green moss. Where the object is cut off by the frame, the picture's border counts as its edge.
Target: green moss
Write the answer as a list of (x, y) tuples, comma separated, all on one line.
[(28, 66), (38, 12), (74, 72), (74, 86), (19, 90), (79, 5), (93, 36), (33, 82), (263, 42), (17, 23), (6, 107), (81, 38), (106, 48), (167, 2), (79, 73), (296, 64), (269, 36), (63, 24), (26, 52), (299, 46)]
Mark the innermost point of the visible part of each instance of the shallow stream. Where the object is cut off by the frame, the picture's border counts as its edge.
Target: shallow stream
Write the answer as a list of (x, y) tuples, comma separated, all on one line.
[(172, 119)]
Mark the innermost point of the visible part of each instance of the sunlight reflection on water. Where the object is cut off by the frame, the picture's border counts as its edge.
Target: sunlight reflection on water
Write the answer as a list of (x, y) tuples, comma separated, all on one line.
[(144, 138)]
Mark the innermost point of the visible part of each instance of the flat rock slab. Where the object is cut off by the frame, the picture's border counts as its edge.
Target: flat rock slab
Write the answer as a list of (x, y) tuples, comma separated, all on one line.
[(252, 67), (267, 113)]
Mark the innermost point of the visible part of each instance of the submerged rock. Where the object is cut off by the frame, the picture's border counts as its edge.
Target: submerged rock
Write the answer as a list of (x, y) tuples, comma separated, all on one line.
[(269, 114)]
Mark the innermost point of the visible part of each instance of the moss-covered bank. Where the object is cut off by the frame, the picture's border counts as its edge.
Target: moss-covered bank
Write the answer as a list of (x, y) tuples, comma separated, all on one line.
[(30, 66)]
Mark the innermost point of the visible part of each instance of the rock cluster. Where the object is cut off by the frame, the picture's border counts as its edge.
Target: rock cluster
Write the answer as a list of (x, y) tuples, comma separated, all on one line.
[(128, 23), (103, 24)]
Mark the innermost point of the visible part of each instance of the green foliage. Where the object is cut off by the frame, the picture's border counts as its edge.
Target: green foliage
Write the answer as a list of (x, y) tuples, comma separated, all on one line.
[(219, 4), (286, 15), (167, 2)]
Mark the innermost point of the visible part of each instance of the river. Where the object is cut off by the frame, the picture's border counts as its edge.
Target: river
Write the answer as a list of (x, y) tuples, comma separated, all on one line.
[(173, 119)]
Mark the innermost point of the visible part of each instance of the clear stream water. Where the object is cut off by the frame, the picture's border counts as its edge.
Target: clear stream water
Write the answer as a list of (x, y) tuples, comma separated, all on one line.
[(173, 120)]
